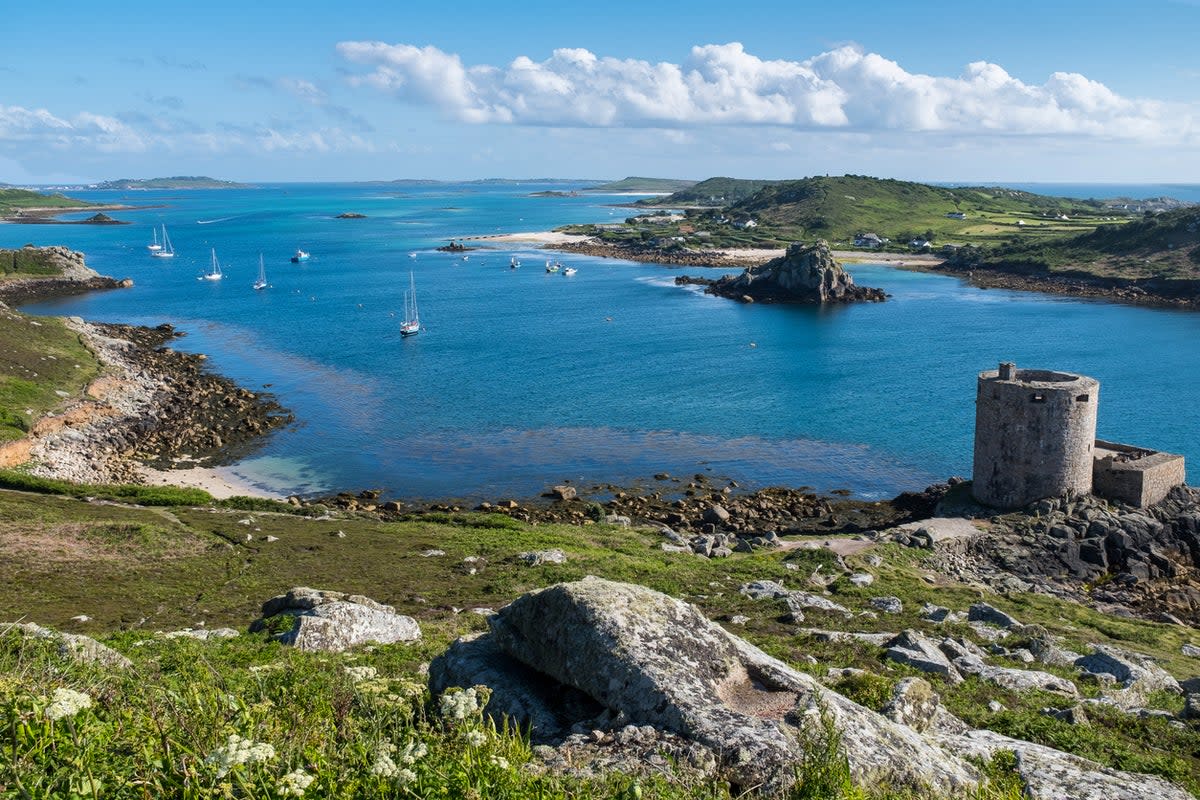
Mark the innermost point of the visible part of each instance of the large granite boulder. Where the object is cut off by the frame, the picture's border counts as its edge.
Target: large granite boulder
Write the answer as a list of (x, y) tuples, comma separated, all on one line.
[(807, 273), (647, 659), (334, 621)]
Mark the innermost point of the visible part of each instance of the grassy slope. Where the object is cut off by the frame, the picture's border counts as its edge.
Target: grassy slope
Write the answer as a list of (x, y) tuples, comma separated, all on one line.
[(144, 569), (39, 358), (712, 191), (837, 208), (13, 200), (1166, 245)]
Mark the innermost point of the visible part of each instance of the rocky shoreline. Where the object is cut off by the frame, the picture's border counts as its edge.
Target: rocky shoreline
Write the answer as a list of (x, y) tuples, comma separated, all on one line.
[(153, 407), (655, 255)]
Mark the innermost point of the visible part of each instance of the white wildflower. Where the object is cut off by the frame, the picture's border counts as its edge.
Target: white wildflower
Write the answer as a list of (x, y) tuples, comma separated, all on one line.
[(384, 767), (238, 751), (359, 674), (294, 783), (67, 703), (412, 752), (405, 776), (500, 761), (476, 738), (459, 705)]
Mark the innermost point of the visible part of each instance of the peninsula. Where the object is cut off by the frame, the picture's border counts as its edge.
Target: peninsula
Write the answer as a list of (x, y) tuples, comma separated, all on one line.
[(176, 182)]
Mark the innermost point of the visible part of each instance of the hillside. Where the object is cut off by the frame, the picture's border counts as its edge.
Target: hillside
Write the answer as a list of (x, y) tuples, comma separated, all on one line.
[(177, 182), (636, 184), (709, 193), (838, 208), (1163, 246), (14, 201)]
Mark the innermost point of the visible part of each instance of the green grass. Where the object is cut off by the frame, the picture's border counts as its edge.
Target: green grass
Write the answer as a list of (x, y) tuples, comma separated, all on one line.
[(13, 200), (39, 357), (135, 570), (636, 184)]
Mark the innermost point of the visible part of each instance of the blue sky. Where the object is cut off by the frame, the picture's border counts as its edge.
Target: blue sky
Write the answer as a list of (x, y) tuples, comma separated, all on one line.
[(1019, 91)]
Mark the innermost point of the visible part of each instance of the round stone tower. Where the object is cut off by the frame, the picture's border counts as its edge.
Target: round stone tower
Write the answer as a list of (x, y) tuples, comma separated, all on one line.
[(1035, 431)]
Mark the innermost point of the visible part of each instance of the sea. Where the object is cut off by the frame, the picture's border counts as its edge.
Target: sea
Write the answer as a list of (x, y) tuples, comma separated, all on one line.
[(522, 379)]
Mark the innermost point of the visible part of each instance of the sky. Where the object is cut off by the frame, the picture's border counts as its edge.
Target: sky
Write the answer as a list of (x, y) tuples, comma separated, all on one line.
[(258, 90)]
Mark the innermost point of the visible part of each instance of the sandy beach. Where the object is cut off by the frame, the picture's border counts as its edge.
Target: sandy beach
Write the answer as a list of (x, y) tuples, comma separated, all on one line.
[(538, 237), (218, 482)]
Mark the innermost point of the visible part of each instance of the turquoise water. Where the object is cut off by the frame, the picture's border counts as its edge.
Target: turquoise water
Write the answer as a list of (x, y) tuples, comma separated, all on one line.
[(522, 378)]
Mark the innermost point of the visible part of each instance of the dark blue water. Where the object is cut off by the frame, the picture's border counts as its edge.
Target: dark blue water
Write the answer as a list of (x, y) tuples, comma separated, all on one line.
[(524, 378)]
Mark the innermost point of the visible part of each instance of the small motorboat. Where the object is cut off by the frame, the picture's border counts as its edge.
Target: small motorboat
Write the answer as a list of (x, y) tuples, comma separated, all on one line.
[(300, 256)]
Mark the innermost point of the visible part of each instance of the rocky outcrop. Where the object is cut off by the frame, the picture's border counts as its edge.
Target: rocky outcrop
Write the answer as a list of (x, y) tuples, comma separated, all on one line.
[(1139, 560), (646, 659), (805, 274), (333, 621)]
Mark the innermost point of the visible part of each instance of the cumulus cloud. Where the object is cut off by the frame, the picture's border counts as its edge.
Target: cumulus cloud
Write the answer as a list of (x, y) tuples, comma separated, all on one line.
[(842, 89), (134, 132), (23, 125)]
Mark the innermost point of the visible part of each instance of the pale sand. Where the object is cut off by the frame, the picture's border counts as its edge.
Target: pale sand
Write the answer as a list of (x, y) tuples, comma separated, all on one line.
[(889, 259), (218, 482), (541, 237)]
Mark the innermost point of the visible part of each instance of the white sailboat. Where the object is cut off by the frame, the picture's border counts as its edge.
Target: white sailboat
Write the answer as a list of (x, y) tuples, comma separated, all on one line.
[(165, 249), (214, 274), (411, 325), (261, 281), (155, 246)]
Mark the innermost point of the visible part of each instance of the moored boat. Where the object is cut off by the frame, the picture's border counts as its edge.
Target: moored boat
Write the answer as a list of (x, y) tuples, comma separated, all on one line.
[(300, 256)]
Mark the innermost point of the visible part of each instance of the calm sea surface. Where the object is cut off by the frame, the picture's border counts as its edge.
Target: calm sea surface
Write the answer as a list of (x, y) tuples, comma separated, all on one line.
[(522, 378)]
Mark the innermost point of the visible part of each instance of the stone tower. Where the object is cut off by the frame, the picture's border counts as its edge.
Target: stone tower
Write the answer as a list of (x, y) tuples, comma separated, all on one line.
[(1035, 431)]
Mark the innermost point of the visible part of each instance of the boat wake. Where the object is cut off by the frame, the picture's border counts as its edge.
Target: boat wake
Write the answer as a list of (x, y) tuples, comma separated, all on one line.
[(211, 221)]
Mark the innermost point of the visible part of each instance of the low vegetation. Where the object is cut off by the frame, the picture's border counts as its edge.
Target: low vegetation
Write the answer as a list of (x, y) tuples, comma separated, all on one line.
[(636, 184), (41, 363), (176, 182), (13, 201), (133, 570)]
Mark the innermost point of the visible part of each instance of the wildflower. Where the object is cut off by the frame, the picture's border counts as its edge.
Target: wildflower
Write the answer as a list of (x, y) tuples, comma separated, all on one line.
[(476, 738), (294, 783), (67, 703), (238, 751), (405, 776), (500, 761), (359, 674), (459, 705), (412, 752), (384, 766)]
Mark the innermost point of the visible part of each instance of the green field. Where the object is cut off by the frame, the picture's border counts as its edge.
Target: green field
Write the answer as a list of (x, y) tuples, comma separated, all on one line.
[(136, 570), (636, 184), (13, 201)]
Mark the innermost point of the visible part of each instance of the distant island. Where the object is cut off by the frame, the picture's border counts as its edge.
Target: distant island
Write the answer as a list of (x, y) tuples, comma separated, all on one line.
[(177, 182), (1133, 250), (636, 185)]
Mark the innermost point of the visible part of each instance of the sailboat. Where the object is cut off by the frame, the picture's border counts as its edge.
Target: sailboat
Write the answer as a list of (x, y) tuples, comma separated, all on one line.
[(155, 246), (552, 267), (261, 282), (214, 274), (165, 249), (513, 263), (411, 325)]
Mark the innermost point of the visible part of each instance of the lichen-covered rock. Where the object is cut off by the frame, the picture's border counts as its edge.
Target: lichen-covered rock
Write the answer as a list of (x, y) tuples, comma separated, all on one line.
[(1131, 670), (983, 612), (1018, 680), (657, 661), (77, 647), (335, 621), (920, 652), (805, 274), (538, 557), (1051, 774)]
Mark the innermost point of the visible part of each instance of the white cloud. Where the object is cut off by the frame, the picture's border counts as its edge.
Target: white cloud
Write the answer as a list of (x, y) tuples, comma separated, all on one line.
[(843, 89), (18, 125)]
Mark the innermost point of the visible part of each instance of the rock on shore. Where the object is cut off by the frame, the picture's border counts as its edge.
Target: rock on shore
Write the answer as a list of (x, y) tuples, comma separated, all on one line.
[(805, 274)]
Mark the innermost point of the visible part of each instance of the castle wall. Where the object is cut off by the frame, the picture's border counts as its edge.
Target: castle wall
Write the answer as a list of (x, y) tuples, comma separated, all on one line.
[(1034, 435), (1133, 475)]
